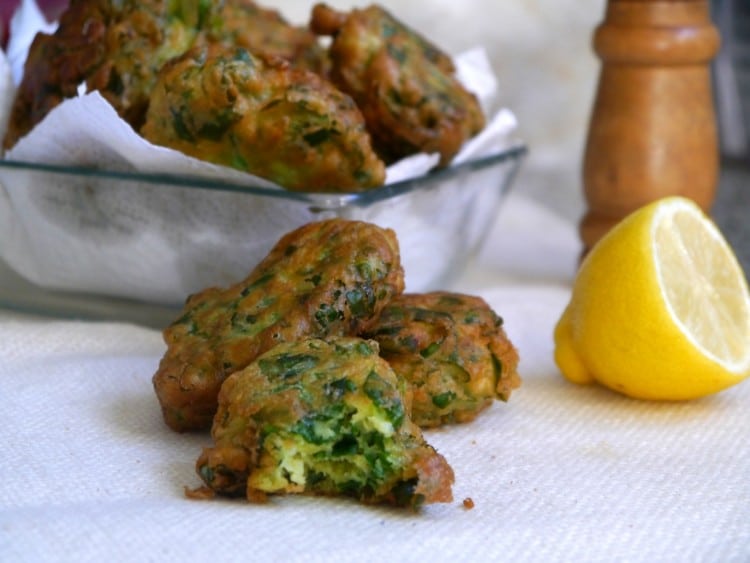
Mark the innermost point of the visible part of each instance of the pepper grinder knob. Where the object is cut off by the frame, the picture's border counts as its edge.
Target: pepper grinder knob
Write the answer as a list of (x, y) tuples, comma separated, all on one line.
[(652, 131)]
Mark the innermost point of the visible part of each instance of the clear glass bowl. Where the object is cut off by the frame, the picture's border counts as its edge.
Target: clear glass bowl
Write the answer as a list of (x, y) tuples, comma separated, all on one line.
[(92, 243)]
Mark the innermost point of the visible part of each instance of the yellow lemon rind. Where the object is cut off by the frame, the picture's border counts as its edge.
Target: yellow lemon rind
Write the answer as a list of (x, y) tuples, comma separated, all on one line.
[(622, 320)]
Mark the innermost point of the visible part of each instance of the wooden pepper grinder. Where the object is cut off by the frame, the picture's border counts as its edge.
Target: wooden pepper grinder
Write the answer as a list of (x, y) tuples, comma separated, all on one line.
[(653, 128)]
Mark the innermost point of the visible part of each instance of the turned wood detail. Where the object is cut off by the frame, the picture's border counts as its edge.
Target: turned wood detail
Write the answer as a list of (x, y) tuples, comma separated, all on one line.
[(652, 131)]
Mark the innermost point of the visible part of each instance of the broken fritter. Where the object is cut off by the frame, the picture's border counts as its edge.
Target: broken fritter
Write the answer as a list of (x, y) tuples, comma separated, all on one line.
[(225, 105), (453, 352), (330, 278), (404, 85), (326, 418)]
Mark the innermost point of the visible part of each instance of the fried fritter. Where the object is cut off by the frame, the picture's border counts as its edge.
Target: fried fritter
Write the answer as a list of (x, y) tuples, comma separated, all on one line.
[(404, 85), (330, 278), (264, 31), (118, 47), (115, 47), (321, 417), (227, 106), (452, 350)]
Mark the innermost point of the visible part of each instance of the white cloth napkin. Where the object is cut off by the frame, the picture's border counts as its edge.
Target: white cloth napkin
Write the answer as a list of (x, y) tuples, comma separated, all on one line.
[(561, 472)]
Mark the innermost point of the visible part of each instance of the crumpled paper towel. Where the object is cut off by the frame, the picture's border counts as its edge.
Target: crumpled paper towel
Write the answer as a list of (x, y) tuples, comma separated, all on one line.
[(165, 244), (559, 473)]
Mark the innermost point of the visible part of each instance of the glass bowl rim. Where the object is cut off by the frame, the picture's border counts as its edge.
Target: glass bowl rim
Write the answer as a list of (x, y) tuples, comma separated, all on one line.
[(317, 199)]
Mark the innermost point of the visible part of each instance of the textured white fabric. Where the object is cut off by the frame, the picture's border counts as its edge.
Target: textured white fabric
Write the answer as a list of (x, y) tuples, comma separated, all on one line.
[(89, 472)]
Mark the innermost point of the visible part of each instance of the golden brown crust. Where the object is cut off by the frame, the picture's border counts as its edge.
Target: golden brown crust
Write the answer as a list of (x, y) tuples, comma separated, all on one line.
[(404, 85), (225, 105), (324, 279)]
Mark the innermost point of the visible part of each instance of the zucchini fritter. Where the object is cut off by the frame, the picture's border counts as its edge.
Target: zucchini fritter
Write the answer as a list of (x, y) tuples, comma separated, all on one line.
[(115, 47), (330, 278), (288, 125), (321, 417), (404, 85), (452, 350)]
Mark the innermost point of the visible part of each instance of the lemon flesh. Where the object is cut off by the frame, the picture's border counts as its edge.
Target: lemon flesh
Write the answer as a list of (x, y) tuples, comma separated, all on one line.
[(660, 308)]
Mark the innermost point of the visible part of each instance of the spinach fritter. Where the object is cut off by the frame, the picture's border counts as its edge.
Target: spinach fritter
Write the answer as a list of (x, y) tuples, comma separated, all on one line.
[(225, 105), (451, 349), (114, 47), (404, 85), (321, 417), (330, 278)]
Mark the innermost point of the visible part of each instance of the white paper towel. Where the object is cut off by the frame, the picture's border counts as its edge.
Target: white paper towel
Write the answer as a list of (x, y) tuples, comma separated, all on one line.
[(559, 473)]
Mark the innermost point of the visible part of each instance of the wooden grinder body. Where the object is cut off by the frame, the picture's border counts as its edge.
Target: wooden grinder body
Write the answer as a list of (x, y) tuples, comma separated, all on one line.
[(653, 127)]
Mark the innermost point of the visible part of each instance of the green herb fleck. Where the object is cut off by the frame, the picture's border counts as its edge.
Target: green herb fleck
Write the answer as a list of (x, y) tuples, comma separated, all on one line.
[(323, 426), (215, 130), (347, 445), (261, 281), (178, 123), (244, 56), (471, 318), (325, 315), (364, 269), (364, 348), (338, 387), (400, 55), (314, 279), (442, 400), (404, 494), (207, 474), (430, 350), (319, 136), (287, 365), (385, 398), (360, 302)]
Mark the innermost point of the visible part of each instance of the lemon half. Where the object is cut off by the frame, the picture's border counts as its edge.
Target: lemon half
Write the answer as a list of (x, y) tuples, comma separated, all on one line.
[(660, 308)]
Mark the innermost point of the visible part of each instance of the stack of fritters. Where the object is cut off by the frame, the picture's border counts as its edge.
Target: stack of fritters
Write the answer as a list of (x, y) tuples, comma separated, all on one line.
[(234, 83), (322, 280), (317, 372)]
